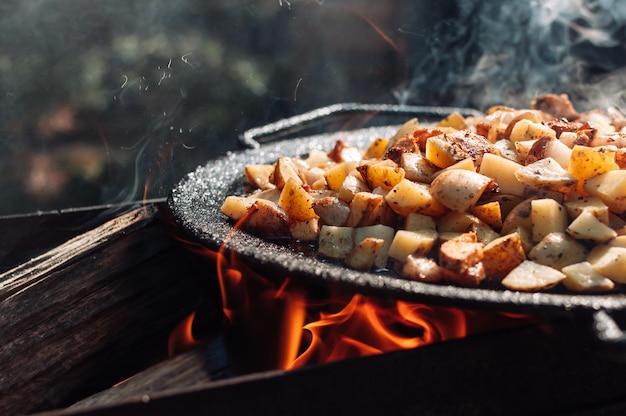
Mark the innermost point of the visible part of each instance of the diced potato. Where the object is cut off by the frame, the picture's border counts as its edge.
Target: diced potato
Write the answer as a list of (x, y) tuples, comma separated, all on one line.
[(454, 120), (235, 207), (592, 204), (267, 218), (335, 242), (379, 231), (418, 243), (546, 174), (259, 175), (332, 210), (407, 128), (363, 254), (529, 130), (459, 189), (610, 187), (456, 222), (588, 227), (502, 255), (484, 233), (376, 149), (506, 149), (297, 203), (351, 186), (547, 216), (619, 241), (408, 196), (417, 168), (446, 149), (524, 115), (284, 169), (416, 222), (582, 277), (489, 213), (609, 261), (587, 162), (523, 148), (317, 159), (366, 208), (503, 173), (530, 276), (558, 250), (307, 230), (548, 147), (464, 164), (519, 216), (337, 174), (385, 174), (437, 152)]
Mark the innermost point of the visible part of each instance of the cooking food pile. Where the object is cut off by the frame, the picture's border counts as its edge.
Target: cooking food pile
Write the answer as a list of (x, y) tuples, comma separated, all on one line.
[(525, 199)]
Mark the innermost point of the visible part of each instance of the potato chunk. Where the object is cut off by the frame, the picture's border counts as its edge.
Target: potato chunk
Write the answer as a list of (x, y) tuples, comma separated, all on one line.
[(530, 276), (582, 277), (335, 242), (502, 255), (363, 255), (558, 250), (459, 189)]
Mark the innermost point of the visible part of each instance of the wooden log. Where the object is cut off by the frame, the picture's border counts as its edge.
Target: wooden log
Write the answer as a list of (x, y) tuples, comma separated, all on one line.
[(514, 372), (92, 311)]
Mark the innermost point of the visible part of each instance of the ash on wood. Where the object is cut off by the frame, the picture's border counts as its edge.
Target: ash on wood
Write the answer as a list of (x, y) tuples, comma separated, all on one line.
[(92, 311)]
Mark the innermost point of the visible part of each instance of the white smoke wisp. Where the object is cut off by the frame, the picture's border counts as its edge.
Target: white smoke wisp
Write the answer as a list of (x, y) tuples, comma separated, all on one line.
[(507, 52)]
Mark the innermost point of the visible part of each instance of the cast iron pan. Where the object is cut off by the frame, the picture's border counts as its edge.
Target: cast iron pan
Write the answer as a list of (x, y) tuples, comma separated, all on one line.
[(195, 204)]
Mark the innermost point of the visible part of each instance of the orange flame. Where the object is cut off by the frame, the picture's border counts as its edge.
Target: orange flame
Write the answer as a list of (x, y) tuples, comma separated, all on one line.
[(181, 338), (274, 323)]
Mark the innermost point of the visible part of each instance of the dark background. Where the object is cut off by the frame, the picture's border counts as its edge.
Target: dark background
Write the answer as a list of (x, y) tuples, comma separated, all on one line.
[(104, 102)]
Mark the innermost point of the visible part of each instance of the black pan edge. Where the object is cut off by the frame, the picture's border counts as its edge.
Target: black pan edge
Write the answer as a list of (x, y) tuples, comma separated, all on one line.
[(196, 200)]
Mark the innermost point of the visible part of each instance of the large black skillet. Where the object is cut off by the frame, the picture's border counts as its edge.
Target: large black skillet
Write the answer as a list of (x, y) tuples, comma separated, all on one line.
[(195, 204)]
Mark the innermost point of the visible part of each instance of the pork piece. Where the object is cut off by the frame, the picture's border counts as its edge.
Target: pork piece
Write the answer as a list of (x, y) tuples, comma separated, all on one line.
[(422, 269), (407, 144), (560, 125), (558, 106), (460, 256)]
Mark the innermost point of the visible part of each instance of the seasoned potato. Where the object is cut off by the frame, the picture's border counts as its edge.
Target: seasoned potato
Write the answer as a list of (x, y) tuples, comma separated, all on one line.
[(531, 277), (384, 174), (336, 242), (418, 243), (503, 173), (557, 250), (503, 255), (526, 198), (408, 196), (459, 189), (297, 203)]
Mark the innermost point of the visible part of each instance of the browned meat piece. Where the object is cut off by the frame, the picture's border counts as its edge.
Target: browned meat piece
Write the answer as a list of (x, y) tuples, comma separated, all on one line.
[(560, 125), (558, 106), (460, 256), (407, 144), (423, 269)]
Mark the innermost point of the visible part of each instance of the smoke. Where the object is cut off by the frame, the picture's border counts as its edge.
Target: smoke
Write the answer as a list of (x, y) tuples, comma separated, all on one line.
[(507, 52)]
